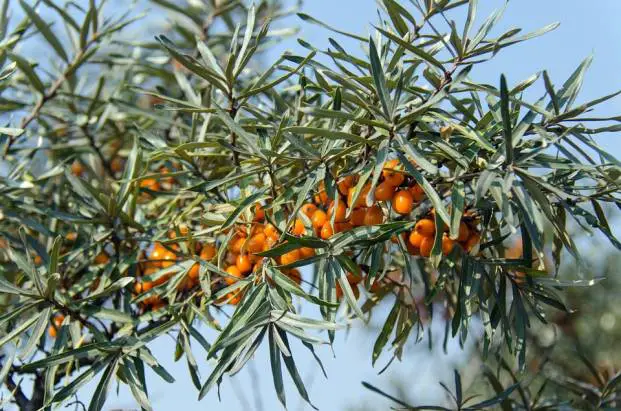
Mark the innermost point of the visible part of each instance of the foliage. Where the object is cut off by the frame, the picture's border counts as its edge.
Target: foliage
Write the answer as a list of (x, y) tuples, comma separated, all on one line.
[(187, 181)]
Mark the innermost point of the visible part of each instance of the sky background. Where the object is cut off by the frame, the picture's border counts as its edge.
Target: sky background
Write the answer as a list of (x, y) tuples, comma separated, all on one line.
[(587, 27)]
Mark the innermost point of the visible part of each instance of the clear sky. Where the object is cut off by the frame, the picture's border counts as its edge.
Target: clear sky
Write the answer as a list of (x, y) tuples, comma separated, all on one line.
[(586, 27)]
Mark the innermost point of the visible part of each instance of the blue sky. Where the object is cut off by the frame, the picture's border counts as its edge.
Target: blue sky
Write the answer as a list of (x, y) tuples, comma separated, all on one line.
[(587, 27)]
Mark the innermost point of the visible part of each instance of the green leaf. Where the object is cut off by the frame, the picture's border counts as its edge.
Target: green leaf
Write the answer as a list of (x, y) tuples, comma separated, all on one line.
[(313, 20), (44, 30), (19, 330), (73, 387), (293, 371), (28, 71), (276, 367), (379, 79), (36, 333), (418, 51), (241, 56), (387, 329), (330, 134), (506, 120), (101, 392)]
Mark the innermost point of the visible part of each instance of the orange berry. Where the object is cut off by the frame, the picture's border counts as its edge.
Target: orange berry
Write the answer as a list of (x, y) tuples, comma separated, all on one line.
[(117, 164), (308, 209), (411, 249), (425, 246), (77, 168), (38, 260), (394, 178), (243, 263), (339, 211), (295, 275), (233, 298), (290, 257), (384, 191), (340, 227), (236, 244), (374, 216), (402, 202), (298, 227), (417, 193), (234, 276), (102, 258), (307, 252), (357, 216), (447, 244), (464, 232), (345, 184), (326, 231), (256, 243), (319, 219), (425, 227), (162, 279), (259, 212), (354, 288), (150, 184), (271, 232), (207, 252), (71, 236), (362, 198), (57, 322), (415, 239), (194, 271), (169, 259), (353, 278), (321, 197)]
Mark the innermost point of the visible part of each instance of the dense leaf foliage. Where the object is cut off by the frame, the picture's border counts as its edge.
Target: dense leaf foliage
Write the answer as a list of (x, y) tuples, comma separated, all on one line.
[(160, 186)]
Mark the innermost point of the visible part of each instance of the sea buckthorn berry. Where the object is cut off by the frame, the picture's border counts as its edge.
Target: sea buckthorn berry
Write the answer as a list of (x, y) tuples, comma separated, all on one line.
[(353, 278), (236, 243), (425, 227), (354, 288), (102, 258), (243, 263), (362, 198), (290, 257), (308, 209), (57, 322), (415, 239), (411, 249), (384, 191), (447, 244), (259, 212), (345, 184), (357, 216), (464, 232), (298, 227), (233, 298), (77, 169), (326, 231), (374, 216), (339, 211), (341, 227), (425, 246), (307, 252), (271, 232), (418, 194), (169, 259), (319, 219), (117, 164), (71, 236), (402, 202), (208, 251), (295, 275), (256, 243), (150, 184), (193, 272), (234, 275), (321, 197), (391, 176)]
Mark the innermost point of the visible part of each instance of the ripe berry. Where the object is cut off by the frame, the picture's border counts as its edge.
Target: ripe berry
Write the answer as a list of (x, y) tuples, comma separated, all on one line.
[(402, 202), (425, 227), (384, 191)]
